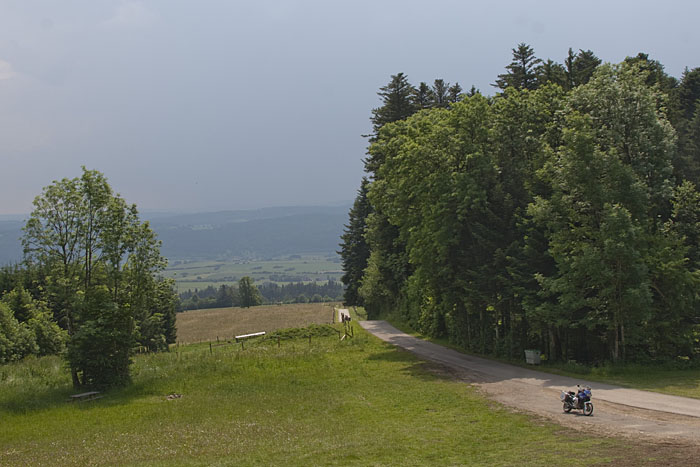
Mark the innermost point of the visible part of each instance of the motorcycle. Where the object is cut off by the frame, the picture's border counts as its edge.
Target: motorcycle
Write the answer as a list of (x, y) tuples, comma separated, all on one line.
[(579, 400)]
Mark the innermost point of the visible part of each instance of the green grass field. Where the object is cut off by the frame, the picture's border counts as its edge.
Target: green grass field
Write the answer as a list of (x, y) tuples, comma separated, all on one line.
[(355, 402), (189, 275)]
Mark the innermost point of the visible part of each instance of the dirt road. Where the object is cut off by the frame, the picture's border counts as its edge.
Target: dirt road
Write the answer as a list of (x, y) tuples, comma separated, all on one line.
[(618, 411), (343, 313)]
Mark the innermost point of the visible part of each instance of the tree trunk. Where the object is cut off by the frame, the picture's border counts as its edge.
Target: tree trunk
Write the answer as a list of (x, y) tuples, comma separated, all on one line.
[(622, 341), (75, 378)]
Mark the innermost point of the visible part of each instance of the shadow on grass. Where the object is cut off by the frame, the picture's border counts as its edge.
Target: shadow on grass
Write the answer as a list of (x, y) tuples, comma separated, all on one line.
[(21, 402), (33, 399), (414, 366)]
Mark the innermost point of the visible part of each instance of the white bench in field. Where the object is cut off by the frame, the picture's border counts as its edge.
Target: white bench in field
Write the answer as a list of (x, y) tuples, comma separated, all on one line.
[(245, 336), (242, 337), (85, 396)]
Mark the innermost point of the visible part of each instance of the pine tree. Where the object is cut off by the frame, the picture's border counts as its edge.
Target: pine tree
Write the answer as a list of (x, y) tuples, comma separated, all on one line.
[(521, 71), (423, 96), (551, 72), (441, 98), (354, 249), (397, 102), (454, 93), (585, 63)]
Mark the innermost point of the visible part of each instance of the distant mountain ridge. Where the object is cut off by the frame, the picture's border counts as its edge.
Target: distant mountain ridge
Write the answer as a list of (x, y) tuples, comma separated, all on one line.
[(257, 233), (10, 245)]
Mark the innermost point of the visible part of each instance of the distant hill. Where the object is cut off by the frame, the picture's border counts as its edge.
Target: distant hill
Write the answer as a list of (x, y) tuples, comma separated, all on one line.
[(259, 233), (10, 245)]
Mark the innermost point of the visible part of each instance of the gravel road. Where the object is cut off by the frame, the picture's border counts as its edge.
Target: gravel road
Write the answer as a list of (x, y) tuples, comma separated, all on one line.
[(618, 411)]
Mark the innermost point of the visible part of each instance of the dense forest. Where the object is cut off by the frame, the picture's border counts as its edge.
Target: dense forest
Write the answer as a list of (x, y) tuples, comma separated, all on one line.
[(295, 292), (562, 213), (90, 286)]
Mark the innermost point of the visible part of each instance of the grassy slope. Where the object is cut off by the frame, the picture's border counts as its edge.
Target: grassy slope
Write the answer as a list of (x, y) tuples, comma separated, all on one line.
[(353, 402)]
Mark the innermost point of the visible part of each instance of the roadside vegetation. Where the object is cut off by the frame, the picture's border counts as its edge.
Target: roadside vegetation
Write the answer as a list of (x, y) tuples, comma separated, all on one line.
[(353, 402)]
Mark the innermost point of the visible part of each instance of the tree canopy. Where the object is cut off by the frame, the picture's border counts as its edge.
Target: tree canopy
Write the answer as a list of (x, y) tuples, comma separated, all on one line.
[(560, 214), (99, 270)]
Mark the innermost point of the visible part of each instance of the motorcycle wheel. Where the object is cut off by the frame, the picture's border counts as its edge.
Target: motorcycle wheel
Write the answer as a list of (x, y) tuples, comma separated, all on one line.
[(588, 408), (567, 407)]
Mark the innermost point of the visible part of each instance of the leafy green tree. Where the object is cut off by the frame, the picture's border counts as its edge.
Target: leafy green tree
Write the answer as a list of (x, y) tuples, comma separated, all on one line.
[(419, 188), (16, 339), (685, 220), (316, 298), (100, 349), (654, 72), (50, 339), (686, 98), (689, 92), (546, 216), (102, 265), (302, 298), (248, 294), (522, 71), (610, 186)]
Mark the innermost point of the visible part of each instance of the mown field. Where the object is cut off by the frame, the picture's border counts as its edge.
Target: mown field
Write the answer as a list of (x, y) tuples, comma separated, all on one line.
[(224, 323), (325, 402), (190, 275)]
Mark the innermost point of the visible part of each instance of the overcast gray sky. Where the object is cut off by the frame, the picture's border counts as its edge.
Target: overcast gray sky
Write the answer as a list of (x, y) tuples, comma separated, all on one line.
[(211, 105)]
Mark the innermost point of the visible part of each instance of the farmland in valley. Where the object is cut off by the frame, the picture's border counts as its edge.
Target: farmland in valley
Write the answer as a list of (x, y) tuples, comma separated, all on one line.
[(190, 275)]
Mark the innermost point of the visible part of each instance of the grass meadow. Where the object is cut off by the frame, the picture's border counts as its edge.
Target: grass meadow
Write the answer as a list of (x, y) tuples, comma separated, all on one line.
[(224, 323), (325, 402)]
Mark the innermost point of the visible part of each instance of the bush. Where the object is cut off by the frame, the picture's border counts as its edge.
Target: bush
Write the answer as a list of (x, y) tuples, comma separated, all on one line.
[(16, 339), (100, 349)]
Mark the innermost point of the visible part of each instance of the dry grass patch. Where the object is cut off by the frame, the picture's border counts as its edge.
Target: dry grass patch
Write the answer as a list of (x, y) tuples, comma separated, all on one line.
[(224, 323)]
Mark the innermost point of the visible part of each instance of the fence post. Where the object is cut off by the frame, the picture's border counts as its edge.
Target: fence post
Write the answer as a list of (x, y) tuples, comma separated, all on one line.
[(278, 342), (210, 350)]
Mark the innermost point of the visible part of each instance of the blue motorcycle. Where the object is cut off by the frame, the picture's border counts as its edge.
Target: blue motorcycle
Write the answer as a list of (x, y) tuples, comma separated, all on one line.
[(578, 400)]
